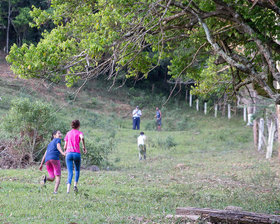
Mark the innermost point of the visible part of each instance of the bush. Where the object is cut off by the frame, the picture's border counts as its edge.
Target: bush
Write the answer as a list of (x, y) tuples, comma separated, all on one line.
[(168, 143), (98, 150), (31, 124)]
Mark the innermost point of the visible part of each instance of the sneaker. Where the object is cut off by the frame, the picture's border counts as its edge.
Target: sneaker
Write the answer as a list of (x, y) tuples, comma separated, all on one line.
[(75, 189), (54, 192), (44, 180)]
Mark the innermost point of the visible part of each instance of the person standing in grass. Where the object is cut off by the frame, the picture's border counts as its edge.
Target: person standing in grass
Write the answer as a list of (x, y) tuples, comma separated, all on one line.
[(136, 114), (158, 117), (51, 158), (141, 145), (73, 155)]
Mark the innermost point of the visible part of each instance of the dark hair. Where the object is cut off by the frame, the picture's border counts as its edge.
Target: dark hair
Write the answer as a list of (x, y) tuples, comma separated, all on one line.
[(141, 133), (75, 124), (54, 133)]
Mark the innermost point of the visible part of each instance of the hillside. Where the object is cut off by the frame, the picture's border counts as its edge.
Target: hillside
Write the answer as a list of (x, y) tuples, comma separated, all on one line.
[(196, 161)]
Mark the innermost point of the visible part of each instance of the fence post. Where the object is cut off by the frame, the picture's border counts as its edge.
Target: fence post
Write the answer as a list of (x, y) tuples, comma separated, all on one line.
[(197, 104), (205, 108), (270, 140), (190, 100), (216, 110), (245, 113), (229, 115), (261, 136)]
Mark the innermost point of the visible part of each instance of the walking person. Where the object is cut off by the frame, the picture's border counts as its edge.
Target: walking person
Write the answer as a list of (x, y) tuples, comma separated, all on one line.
[(73, 155), (136, 114), (141, 142), (158, 117), (51, 158)]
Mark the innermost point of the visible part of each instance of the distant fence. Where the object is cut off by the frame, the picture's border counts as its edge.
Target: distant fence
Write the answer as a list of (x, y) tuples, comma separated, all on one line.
[(264, 129)]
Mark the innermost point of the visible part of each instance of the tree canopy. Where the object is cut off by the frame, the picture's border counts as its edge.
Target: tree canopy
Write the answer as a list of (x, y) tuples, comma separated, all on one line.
[(222, 44)]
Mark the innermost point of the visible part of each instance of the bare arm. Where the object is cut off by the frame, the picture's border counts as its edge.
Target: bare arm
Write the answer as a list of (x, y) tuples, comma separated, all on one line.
[(83, 143), (60, 149), (65, 146), (42, 162)]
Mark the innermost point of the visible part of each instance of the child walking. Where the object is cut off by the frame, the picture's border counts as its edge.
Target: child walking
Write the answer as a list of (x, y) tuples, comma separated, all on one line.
[(51, 158), (141, 145), (73, 155)]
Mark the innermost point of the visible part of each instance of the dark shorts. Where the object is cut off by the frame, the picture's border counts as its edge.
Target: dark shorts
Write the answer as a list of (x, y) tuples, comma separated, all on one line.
[(159, 122)]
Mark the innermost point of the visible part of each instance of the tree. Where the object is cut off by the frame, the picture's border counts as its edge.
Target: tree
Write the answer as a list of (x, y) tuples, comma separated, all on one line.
[(15, 19), (97, 37)]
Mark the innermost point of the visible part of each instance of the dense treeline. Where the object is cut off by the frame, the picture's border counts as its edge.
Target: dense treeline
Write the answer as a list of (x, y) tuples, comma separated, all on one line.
[(15, 22)]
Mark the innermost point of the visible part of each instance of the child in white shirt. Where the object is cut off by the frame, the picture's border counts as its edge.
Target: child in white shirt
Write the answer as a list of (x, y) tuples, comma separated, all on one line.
[(141, 145)]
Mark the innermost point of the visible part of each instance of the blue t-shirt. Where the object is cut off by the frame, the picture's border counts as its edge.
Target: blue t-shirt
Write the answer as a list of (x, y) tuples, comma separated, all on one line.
[(52, 151)]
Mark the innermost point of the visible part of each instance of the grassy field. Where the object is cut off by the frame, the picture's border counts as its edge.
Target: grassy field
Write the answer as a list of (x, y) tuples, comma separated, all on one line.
[(212, 165), (195, 161)]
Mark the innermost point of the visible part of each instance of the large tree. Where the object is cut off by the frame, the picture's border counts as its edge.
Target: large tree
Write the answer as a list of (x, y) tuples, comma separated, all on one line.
[(198, 37)]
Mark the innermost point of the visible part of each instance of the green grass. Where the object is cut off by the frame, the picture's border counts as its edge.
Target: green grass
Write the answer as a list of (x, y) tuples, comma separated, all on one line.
[(212, 165), (219, 167)]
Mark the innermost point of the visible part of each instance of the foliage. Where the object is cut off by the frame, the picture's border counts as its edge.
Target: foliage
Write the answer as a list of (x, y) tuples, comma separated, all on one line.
[(30, 121), (167, 143), (19, 29), (108, 37), (98, 150)]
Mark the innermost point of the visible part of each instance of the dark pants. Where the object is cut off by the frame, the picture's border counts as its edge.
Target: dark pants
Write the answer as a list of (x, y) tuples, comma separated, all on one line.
[(136, 123)]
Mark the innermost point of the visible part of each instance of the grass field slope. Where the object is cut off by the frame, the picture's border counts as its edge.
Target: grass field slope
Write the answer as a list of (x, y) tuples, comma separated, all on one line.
[(196, 160)]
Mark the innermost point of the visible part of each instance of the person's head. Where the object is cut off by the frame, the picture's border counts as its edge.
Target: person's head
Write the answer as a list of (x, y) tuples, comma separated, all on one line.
[(75, 124), (156, 108), (137, 107), (56, 134), (141, 133)]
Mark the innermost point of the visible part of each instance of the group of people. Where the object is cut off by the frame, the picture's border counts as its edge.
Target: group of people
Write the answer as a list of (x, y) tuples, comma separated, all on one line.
[(72, 153), (137, 113)]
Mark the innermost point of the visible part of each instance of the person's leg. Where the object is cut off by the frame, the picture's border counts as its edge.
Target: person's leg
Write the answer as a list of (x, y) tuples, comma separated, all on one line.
[(144, 152), (57, 173), (69, 164), (57, 182), (140, 151), (50, 169), (138, 123), (77, 163), (134, 123)]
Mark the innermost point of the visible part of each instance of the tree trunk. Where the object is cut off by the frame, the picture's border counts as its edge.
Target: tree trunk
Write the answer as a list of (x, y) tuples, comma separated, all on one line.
[(8, 27), (229, 216)]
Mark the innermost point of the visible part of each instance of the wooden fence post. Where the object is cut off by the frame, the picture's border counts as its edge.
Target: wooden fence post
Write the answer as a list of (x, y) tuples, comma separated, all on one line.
[(261, 136), (205, 108), (216, 110), (245, 113), (197, 104), (229, 115), (270, 140), (190, 100)]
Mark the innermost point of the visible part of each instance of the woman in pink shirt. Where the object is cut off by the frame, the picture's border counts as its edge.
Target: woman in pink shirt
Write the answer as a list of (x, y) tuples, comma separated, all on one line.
[(73, 155)]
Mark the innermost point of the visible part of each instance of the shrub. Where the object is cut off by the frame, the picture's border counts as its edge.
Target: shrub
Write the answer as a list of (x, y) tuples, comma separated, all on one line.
[(31, 123), (168, 143), (98, 150)]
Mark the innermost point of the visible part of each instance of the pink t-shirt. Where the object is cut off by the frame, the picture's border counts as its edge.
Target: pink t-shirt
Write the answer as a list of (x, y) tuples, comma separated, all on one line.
[(73, 140)]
